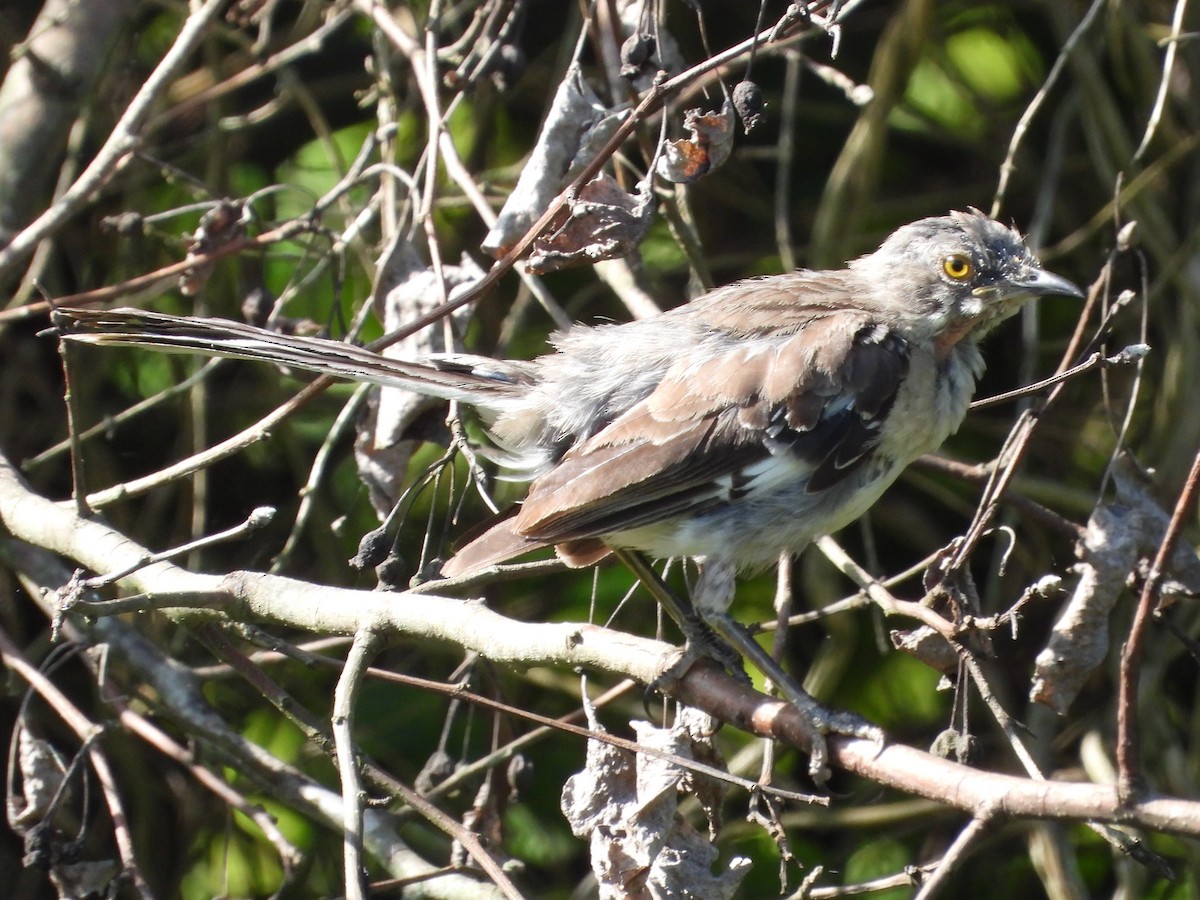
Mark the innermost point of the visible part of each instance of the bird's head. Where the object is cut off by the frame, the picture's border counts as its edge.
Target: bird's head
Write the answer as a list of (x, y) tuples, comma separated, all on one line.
[(958, 276)]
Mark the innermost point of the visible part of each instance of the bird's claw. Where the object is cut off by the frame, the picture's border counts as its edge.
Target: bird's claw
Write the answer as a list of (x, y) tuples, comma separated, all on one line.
[(703, 644), (819, 723)]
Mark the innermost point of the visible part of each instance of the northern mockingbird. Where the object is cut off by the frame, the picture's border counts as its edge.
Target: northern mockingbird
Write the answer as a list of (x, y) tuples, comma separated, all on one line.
[(732, 429)]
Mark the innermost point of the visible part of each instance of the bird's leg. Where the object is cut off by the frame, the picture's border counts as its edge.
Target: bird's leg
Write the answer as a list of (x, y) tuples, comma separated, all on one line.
[(700, 638), (712, 596)]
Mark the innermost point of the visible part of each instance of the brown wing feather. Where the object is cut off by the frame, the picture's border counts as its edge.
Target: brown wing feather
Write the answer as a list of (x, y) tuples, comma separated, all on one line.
[(602, 486), (819, 393), (501, 542)]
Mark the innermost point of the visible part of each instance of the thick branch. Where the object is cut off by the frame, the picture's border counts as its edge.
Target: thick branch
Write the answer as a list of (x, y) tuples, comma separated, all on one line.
[(323, 609)]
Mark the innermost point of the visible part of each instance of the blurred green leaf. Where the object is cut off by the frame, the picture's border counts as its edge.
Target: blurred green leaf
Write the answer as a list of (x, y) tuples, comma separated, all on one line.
[(879, 858), (896, 689), (543, 842), (939, 98), (316, 167), (997, 67), (233, 866), (956, 85)]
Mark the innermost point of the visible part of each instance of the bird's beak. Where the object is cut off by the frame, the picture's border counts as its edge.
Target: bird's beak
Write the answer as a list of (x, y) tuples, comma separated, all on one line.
[(1045, 284), (1035, 282)]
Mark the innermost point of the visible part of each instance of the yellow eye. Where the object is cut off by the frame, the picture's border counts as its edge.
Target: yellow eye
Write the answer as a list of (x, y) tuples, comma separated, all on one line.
[(958, 267)]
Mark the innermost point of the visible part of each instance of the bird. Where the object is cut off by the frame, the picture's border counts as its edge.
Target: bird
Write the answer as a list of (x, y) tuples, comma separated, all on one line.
[(729, 430)]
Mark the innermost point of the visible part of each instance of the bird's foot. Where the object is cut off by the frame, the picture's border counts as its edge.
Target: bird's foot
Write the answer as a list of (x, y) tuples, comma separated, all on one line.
[(819, 723), (701, 642)]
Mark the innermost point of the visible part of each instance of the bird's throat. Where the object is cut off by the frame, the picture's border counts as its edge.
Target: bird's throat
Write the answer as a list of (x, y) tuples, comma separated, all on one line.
[(949, 338)]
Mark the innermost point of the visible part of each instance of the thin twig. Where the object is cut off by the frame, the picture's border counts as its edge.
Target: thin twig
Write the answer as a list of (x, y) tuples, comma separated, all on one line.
[(1009, 165), (1164, 83), (258, 518), (123, 139), (880, 595), (362, 650), (70, 399), (955, 854)]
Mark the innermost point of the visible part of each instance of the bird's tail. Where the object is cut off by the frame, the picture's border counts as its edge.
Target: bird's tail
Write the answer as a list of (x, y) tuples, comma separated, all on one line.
[(487, 384)]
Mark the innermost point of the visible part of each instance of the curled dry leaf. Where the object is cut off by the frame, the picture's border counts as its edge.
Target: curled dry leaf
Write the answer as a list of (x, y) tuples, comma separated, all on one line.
[(220, 225), (85, 879), (1120, 536), (627, 806), (42, 769), (710, 145), (954, 744), (635, 53), (38, 812), (928, 646), (602, 222), (576, 127), (1079, 640)]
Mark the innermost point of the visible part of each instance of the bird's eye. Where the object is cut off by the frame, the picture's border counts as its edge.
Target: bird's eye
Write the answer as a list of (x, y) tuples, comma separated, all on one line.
[(958, 267)]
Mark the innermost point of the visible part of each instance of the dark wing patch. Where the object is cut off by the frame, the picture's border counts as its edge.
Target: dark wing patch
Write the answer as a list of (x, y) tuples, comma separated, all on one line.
[(850, 422), (819, 394)]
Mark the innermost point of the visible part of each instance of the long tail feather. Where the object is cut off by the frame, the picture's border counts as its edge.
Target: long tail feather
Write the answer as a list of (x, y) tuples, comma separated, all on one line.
[(223, 337)]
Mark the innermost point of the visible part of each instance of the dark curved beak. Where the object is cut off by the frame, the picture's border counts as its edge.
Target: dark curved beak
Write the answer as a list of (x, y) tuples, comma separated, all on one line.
[(1040, 283)]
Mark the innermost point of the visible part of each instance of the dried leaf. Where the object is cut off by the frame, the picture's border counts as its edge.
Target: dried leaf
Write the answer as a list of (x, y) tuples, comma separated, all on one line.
[(627, 805), (954, 744), (928, 646), (85, 879), (1120, 536), (1079, 640), (636, 53), (651, 47), (576, 127), (220, 225), (603, 222), (42, 770), (687, 160)]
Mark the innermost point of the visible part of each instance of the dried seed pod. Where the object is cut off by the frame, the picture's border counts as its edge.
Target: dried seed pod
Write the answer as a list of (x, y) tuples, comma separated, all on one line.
[(749, 103), (635, 53)]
